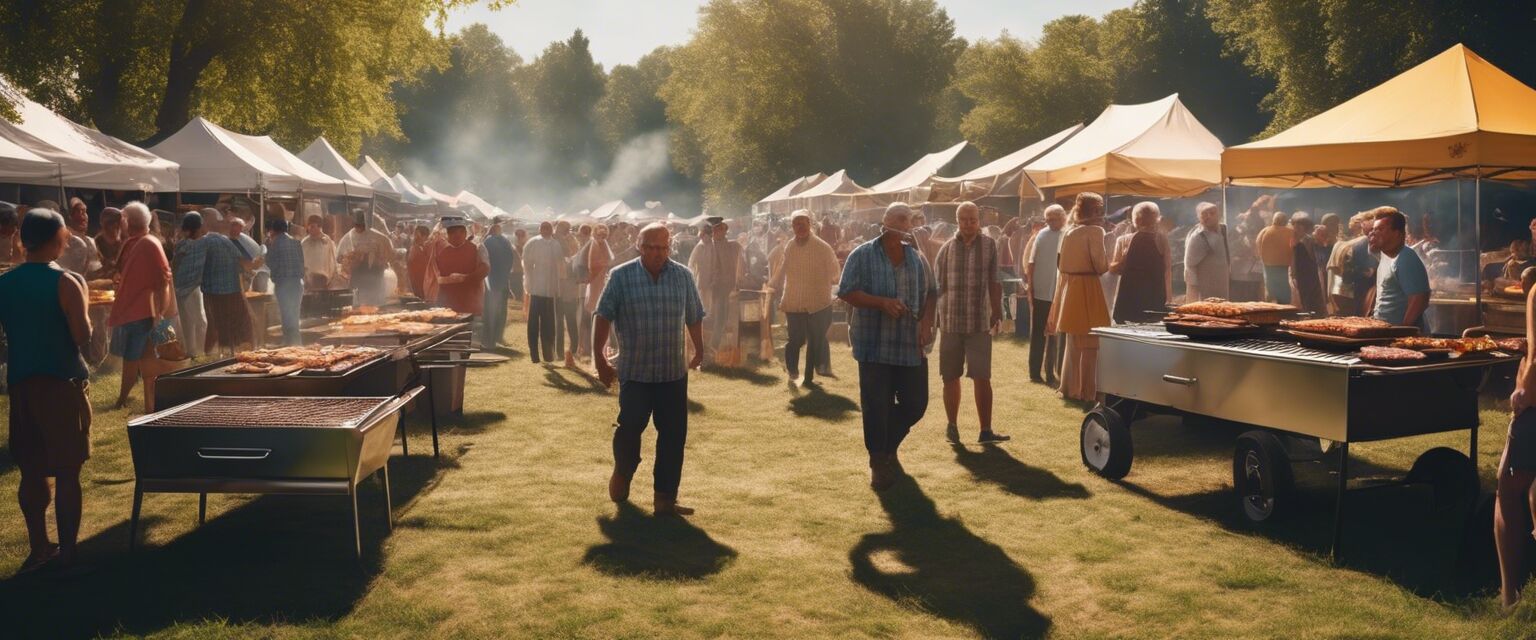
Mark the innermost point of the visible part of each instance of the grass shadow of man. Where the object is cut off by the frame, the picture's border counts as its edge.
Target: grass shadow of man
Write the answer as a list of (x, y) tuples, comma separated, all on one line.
[(936, 564), (665, 548), (996, 466), (815, 402)]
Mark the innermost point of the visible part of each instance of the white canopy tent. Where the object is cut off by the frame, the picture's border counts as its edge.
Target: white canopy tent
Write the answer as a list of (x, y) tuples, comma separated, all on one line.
[(213, 161), (374, 174), (321, 155), (440, 198), (1152, 149), (83, 157), (835, 189), (525, 213), (779, 201), (24, 167), (607, 210), (1003, 177), (475, 206), (409, 194), (311, 180), (900, 186)]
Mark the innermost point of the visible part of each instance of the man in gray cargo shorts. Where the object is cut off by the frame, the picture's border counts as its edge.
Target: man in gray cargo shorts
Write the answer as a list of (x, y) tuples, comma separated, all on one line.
[(970, 310)]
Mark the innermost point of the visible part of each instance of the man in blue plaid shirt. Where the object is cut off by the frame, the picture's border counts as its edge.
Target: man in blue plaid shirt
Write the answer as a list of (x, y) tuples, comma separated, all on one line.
[(648, 302), (893, 292)]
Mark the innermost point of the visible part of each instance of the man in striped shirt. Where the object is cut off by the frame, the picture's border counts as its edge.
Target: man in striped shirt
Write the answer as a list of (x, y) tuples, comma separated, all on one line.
[(966, 268), (649, 302)]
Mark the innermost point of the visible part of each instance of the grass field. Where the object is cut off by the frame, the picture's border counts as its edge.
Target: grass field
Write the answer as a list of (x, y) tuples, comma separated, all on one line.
[(512, 535)]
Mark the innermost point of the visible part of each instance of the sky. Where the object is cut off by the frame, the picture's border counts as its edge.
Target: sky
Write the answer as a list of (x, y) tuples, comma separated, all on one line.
[(624, 30)]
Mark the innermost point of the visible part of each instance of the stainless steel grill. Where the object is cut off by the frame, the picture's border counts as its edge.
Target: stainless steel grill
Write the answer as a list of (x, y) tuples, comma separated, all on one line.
[(302, 445), (1295, 398), (386, 374)]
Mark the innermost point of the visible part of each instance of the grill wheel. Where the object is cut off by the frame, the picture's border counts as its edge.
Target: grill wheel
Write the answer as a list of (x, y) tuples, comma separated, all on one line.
[(1261, 475), (1105, 442)]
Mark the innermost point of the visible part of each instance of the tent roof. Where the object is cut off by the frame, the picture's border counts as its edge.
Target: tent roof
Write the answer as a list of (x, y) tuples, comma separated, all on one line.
[(84, 157), (321, 155), (409, 194), (794, 187), (1152, 149), (214, 161), (920, 171), (473, 204), (378, 179), (609, 209), (311, 180), (837, 184), (1003, 176), (525, 212), (439, 197), (1452, 112), (19, 165)]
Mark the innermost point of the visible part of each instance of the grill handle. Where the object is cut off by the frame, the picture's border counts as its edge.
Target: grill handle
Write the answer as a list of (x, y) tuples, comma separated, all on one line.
[(231, 453), (394, 404), (1179, 380)]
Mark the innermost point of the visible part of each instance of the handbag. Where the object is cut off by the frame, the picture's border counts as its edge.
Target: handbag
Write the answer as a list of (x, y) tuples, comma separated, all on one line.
[(167, 343)]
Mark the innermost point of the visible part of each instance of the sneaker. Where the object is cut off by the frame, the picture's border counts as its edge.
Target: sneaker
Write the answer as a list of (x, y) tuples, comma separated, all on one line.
[(952, 434), (988, 437)]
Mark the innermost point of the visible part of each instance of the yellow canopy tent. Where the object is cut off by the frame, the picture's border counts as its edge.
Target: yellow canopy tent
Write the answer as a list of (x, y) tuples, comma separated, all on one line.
[(1152, 149), (1453, 116)]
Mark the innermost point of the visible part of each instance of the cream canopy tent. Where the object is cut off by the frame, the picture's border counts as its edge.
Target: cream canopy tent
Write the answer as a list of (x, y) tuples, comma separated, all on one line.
[(475, 206), (382, 185), (440, 198), (836, 188), (525, 213), (311, 180), (1003, 177), (321, 155), (409, 194), (83, 157), (213, 161), (608, 210), (900, 186), (1152, 149), (778, 201), (1454, 115), (22, 166)]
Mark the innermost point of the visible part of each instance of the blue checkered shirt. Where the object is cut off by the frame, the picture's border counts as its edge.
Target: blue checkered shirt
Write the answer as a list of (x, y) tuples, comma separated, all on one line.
[(221, 273), (650, 318), (878, 338), (285, 257), (187, 266)]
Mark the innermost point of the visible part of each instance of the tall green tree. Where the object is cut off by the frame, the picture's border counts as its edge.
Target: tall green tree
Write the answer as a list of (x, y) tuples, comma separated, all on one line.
[(770, 89), (1319, 53), (140, 69), (631, 104), (561, 88)]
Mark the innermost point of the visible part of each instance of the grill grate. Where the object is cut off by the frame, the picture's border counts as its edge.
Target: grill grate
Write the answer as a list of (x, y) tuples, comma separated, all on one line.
[(225, 411), (1286, 349)]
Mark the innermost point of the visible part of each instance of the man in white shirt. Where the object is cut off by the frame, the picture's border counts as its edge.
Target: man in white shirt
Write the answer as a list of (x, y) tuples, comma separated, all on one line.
[(1040, 275), (805, 278), (543, 261), (1207, 263), (319, 255)]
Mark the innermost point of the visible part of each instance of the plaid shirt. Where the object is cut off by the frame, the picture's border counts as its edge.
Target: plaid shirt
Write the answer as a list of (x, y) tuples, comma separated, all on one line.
[(188, 265), (285, 257), (221, 273), (878, 338), (966, 274), (650, 317)]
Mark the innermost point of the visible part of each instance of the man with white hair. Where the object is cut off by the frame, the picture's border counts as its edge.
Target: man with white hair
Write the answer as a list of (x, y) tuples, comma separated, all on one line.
[(970, 311), (1207, 258), (649, 302), (1040, 275), (543, 258), (719, 264), (247, 245), (145, 300), (888, 283), (805, 275)]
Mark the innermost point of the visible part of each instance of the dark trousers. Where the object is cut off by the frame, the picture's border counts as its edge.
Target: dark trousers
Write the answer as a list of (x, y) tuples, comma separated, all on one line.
[(1023, 318), (566, 310), (639, 404), (541, 327), (1044, 350), (893, 399), (807, 330)]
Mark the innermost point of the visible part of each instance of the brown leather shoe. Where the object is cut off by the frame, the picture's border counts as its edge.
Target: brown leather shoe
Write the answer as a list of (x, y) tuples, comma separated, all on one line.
[(666, 505), (618, 487)]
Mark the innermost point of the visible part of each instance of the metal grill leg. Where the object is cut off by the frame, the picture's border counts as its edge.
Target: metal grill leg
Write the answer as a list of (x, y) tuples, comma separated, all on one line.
[(202, 508), (133, 521), (432, 409), (1338, 504), (405, 442), (357, 534), (389, 504)]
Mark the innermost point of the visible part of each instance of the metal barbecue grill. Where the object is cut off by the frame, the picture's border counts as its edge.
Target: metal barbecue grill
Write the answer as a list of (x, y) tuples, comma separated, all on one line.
[(1144, 370), (385, 374), (261, 444)]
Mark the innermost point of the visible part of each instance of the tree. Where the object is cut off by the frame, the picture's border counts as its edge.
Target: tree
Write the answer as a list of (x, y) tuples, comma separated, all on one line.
[(631, 104), (140, 69), (1321, 52), (770, 89), (561, 88)]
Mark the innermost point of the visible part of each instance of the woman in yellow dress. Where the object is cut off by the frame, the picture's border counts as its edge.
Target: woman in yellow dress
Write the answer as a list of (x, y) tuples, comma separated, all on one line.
[(1079, 303)]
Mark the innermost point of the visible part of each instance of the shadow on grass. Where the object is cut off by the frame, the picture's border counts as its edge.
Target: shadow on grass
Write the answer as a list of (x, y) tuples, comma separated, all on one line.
[(7, 463), (935, 564), (474, 421), (507, 351), (665, 548), (272, 560), (753, 375), (1392, 531), (996, 466), (815, 402), (695, 406), (572, 382)]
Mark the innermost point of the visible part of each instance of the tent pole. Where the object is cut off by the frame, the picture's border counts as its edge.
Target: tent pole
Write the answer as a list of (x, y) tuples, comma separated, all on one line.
[(1477, 227)]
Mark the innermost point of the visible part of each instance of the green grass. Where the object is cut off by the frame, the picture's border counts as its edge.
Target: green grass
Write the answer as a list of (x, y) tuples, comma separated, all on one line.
[(512, 535)]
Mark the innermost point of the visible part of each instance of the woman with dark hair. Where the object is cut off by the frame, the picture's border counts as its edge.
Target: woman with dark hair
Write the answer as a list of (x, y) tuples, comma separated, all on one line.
[(44, 316)]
